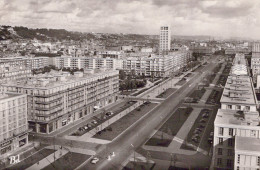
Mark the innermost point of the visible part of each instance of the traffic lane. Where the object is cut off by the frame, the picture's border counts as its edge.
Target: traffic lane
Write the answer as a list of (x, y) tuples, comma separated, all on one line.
[(123, 143)]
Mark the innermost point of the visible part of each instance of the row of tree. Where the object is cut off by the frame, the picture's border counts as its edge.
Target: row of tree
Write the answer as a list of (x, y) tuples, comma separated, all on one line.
[(131, 84), (47, 69)]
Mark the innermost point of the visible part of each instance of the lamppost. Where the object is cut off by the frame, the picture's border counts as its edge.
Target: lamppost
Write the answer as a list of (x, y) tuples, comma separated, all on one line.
[(134, 154)]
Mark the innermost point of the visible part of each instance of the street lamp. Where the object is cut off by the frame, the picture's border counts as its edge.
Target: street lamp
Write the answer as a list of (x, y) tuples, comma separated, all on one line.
[(134, 154)]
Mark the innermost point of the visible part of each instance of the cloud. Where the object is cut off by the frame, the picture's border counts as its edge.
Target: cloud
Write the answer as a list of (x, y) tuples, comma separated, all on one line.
[(187, 17)]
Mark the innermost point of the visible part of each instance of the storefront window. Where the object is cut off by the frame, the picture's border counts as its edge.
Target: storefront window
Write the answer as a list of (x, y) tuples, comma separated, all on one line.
[(6, 149), (43, 128), (22, 142)]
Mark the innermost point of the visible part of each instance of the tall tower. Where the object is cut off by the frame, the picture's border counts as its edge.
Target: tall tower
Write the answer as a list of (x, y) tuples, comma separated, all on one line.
[(165, 39)]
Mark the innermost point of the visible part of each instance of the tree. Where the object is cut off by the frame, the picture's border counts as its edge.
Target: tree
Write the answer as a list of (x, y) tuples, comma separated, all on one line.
[(122, 75)]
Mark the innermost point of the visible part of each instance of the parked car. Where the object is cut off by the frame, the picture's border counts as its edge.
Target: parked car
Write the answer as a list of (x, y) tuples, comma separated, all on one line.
[(94, 160), (205, 115), (210, 140), (202, 126), (89, 125), (202, 121), (94, 121)]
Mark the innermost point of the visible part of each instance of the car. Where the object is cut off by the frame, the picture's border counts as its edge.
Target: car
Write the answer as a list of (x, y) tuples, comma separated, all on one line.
[(199, 129), (94, 121), (94, 160), (89, 125), (202, 121), (104, 117), (210, 140), (202, 126), (197, 132), (86, 127), (205, 115), (211, 134)]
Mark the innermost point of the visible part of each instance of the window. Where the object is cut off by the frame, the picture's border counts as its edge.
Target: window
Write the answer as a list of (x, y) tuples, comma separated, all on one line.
[(247, 108), (229, 106), (230, 152), (253, 133), (238, 107), (238, 159), (230, 131), (230, 142), (258, 160), (219, 161), (219, 151), (221, 131), (229, 163), (220, 141)]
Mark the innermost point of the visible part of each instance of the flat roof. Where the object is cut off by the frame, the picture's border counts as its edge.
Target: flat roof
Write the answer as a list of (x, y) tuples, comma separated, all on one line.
[(239, 90), (247, 144), (8, 95), (233, 117), (55, 79)]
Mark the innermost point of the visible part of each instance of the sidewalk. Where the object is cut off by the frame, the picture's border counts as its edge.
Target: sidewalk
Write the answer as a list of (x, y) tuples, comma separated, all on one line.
[(60, 132)]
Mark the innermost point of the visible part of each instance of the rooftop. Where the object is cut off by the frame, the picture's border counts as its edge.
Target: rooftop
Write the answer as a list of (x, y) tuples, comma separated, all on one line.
[(247, 144), (58, 78), (235, 117), (8, 95), (239, 90)]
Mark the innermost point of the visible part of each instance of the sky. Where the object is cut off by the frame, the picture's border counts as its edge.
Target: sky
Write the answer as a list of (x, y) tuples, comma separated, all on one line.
[(226, 18)]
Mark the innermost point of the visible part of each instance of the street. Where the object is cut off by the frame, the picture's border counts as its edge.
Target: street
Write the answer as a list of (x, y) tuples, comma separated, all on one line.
[(134, 137)]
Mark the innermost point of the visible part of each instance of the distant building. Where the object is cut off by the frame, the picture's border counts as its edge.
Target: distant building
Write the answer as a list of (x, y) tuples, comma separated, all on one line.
[(12, 72), (57, 99), (255, 60), (13, 122), (165, 39), (28, 62), (158, 66)]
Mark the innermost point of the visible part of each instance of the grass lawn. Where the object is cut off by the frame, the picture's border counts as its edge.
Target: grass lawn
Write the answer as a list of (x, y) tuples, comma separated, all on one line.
[(139, 166), (69, 161), (166, 93), (170, 128), (116, 110), (32, 159), (122, 124)]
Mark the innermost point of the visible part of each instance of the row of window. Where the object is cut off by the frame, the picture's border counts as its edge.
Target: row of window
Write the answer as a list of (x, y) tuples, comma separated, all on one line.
[(220, 162)]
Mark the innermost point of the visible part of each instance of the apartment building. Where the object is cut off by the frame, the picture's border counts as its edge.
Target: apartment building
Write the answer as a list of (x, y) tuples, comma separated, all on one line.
[(29, 62), (57, 99), (255, 60), (158, 66), (165, 39), (86, 62), (13, 122), (11, 72), (237, 119)]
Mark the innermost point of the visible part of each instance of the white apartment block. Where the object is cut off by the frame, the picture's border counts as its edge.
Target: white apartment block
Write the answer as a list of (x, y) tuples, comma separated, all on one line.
[(247, 152), (13, 122), (237, 118), (12, 72), (86, 62), (57, 99), (165, 39), (29, 62), (155, 65)]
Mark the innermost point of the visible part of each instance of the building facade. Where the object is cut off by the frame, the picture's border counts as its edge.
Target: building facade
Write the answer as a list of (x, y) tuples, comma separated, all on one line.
[(57, 99), (255, 60), (165, 39), (13, 122), (237, 117)]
